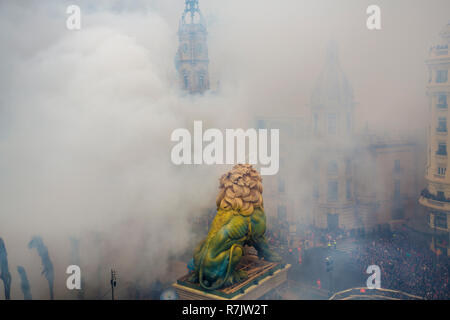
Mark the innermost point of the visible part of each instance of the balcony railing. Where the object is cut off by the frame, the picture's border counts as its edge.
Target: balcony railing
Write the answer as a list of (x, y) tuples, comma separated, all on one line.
[(439, 50), (441, 79), (441, 152), (442, 105), (441, 130), (426, 194)]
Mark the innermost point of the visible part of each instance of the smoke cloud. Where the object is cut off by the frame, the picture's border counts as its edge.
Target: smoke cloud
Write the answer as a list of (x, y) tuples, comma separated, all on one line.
[(86, 116)]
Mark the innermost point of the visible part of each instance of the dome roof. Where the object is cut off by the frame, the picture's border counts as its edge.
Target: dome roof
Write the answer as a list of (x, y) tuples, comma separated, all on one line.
[(332, 88)]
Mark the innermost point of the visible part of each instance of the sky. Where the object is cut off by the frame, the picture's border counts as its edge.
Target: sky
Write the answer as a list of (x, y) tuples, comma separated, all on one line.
[(86, 116)]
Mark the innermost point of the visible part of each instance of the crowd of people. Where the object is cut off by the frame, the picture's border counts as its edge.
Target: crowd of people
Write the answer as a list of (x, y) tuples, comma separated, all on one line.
[(406, 265)]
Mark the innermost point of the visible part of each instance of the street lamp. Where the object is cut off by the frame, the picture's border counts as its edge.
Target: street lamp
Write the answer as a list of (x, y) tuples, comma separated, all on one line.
[(329, 264)]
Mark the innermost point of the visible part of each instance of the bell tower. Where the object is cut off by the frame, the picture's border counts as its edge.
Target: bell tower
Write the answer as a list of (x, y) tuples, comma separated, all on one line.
[(192, 59)]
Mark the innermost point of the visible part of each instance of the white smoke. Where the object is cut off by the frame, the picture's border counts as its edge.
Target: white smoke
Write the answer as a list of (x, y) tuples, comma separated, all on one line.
[(86, 116)]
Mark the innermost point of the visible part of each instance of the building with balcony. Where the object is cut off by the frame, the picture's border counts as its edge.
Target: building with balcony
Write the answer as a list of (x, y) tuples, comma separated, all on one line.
[(436, 196)]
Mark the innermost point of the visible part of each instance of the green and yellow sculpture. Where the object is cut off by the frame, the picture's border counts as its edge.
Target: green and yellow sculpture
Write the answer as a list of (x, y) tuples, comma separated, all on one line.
[(240, 221)]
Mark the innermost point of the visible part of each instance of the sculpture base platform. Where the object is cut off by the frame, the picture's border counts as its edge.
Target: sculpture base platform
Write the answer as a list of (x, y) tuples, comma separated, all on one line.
[(263, 276)]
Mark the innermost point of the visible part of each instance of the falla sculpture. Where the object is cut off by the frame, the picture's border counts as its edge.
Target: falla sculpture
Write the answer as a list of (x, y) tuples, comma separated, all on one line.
[(240, 221)]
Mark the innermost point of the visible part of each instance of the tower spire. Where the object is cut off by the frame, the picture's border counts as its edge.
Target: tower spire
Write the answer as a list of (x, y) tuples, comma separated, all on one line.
[(192, 57), (192, 12), (191, 6), (332, 55)]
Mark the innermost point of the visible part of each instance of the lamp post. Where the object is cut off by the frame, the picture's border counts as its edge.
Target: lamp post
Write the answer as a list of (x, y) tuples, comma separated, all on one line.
[(435, 244), (113, 283), (329, 264)]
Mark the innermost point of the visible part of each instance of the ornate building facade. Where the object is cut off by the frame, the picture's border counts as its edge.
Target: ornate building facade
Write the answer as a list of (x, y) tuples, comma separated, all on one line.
[(436, 197), (362, 180), (192, 60), (333, 177), (386, 181), (332, 110)]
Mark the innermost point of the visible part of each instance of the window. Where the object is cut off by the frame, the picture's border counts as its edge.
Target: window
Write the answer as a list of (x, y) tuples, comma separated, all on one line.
[(332, 167), (332, 125), (442, 149), (397, 188), (441, 171), (186, 81), (441, 239), (442, 125), (398, 213), (282, 213), (332, 190), (441, 76), (397, 166), (440, 195), (332, 221), (281, 185), (348, 185), (442, 101), (201, 81), (440, 220), (199, 50)]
